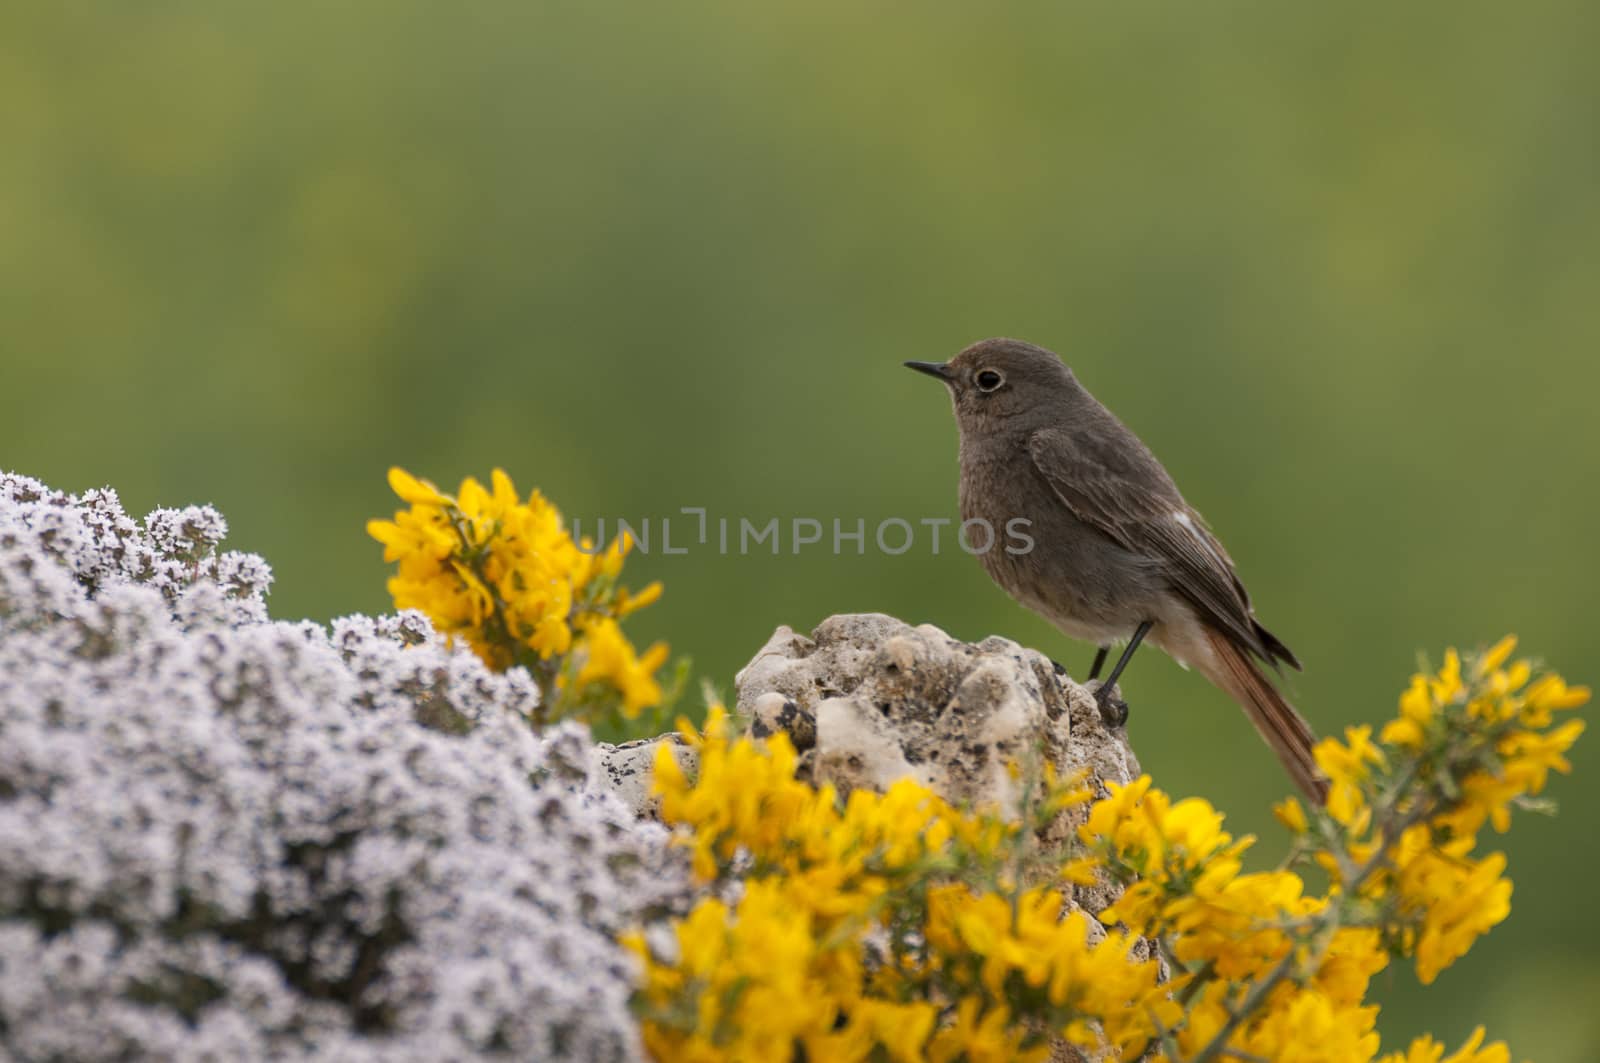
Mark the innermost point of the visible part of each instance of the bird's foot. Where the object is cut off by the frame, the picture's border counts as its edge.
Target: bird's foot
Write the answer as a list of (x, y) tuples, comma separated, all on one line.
[(1113, 710)]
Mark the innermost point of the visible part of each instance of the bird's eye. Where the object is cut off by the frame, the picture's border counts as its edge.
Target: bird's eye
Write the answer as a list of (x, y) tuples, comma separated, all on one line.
[(989, 380)]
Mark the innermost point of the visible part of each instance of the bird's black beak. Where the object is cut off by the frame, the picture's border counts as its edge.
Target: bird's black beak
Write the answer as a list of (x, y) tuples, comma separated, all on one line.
[(938, 369)]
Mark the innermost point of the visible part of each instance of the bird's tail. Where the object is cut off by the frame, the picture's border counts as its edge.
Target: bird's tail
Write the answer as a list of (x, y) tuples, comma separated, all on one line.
[(1288, 735)]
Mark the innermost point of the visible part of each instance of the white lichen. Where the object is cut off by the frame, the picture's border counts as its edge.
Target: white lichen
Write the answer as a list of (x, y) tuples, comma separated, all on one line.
[(225, 837)]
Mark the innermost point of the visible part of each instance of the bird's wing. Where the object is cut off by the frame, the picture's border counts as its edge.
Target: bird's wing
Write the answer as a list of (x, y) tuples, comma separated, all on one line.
[(1124, 493)]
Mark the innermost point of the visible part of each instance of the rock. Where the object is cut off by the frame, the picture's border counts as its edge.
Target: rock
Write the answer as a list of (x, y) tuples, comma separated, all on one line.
[(628, 769), (869, 699)]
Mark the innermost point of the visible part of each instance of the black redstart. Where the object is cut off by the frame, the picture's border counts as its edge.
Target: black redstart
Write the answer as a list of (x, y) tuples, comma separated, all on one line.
[(1118, 555)]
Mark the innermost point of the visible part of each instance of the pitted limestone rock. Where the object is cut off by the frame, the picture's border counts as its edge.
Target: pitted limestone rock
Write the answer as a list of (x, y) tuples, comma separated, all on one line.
[(869, 699)]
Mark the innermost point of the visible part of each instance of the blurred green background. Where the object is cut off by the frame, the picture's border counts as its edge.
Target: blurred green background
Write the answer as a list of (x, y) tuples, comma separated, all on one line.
[(1337, 264)]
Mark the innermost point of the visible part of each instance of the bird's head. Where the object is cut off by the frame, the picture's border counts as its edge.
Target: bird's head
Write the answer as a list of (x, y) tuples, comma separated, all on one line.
[(1002, 382)]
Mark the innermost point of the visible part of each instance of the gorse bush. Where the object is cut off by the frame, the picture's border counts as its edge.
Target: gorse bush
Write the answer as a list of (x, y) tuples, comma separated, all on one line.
[(895, 927), (507, 577)]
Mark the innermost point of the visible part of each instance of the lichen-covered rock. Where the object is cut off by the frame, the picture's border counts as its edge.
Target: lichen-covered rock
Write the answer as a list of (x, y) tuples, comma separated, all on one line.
[(228, 838)]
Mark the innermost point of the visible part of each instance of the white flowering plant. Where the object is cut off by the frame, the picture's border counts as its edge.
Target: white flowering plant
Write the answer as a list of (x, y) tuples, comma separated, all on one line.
[(228, 837)]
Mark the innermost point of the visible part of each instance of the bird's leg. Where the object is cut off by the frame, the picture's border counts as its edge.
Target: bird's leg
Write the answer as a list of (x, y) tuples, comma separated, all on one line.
[(1116, 717), (1127, 653), (1099, 661)]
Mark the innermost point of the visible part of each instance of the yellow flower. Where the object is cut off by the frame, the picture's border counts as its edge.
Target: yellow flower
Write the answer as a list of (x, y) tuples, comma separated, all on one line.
[(417, 492), (1348, 806), (984, 925), (1145, 831), (1081, 871), (504, 575), (1291, 815), (608, 657), (1447, 686), (1530, 755), (1549, 694), (982, 1037), (629, 603), (1458, 898), (1348, 765), (1354, 955), (1303, 1025), (1495, 656), (1418, 708), (1427, 1050), (1351, 760), (902, 1029)]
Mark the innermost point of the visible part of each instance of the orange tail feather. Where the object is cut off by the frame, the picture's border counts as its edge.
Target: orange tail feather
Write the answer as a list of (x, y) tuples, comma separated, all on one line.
[(1290, 737)]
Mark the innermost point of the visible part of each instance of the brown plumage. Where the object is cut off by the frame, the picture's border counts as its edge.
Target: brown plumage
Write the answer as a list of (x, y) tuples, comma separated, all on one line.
[(1118, 553)]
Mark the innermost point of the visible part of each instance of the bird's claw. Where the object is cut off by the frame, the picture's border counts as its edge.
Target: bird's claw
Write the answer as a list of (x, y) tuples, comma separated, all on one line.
[(1113, 710)]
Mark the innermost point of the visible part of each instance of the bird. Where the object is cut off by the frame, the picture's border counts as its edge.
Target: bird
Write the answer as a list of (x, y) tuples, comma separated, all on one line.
[(1114, 555)]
